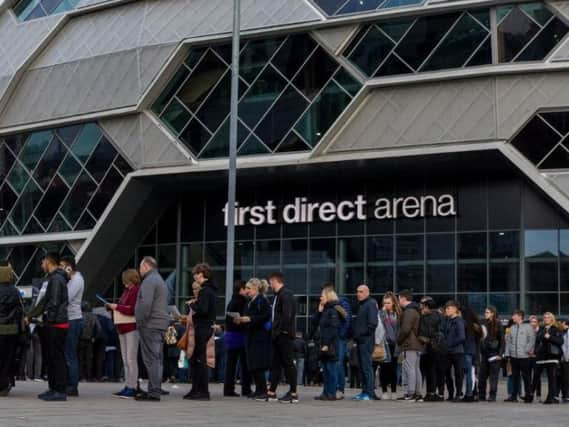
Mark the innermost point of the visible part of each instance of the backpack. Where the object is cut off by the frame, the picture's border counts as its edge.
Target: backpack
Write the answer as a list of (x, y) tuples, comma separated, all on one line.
[(89, 329)]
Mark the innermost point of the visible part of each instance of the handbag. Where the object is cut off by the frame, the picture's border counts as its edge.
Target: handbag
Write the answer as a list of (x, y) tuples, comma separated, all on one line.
[(378, 354), (329, 353), (182, 343)]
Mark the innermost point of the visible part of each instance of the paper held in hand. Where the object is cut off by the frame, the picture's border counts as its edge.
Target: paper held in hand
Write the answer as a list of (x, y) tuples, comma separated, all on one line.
[(121, 319)]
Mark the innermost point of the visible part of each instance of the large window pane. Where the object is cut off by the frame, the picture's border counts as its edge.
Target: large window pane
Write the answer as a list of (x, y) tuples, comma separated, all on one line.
[(268, 253), (540, 303), (380, 278), (504, 245), (409, 277), (410, 248), (541, 260), (504, 276), (477, 302), (471, 277), (440, 277), (440, 247), (505, 303)]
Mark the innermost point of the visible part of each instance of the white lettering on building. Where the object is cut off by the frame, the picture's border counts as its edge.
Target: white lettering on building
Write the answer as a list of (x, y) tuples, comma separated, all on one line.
[(301, 210)]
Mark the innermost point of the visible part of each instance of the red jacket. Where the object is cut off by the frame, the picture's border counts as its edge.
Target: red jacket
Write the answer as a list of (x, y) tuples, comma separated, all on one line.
[(126, 306)]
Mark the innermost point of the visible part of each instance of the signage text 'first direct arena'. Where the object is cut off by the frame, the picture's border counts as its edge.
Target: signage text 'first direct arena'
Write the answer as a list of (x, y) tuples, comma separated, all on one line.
[(301, 210)]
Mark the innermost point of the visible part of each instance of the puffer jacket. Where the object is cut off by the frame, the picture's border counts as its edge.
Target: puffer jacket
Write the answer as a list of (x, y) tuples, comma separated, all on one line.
[(550, 348), (408, 332), (11, 311), (191, 336), (521, 341), (455, 333), (53, 306)]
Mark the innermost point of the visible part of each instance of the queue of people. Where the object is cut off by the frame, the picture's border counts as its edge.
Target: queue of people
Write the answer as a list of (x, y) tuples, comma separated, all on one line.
[(447, 352)]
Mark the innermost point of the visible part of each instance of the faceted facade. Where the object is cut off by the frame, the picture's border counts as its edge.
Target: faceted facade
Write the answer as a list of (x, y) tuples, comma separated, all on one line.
[(356, 118)]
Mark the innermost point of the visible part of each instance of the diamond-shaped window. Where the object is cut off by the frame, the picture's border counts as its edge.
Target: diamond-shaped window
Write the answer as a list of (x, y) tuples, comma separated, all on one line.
[(281, 78)]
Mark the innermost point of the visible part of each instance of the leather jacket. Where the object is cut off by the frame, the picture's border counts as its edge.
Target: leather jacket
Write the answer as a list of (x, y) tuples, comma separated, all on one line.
[(53, 306)]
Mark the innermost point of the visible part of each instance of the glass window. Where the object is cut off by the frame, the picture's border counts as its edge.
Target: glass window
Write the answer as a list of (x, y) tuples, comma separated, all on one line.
[(471, 276), (440, 277), (281, 117), (536, 130), (540, 303), (472, 246), (315, 73), (505, 303), (321, 275), (514, 32), (504, 276), (459, 45), (268, 253), (541, 249), (440, 247), (371, 50), (380, 249), (293, 53), (410, 248), (423, 37), (323, 113), (409, 277), (504, 245), (477, 302), (380, 278), (322, 251)]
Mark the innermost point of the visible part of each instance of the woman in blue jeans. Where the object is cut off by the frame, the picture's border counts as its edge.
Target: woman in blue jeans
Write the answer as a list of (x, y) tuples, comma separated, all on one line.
[(327, 319), (471, 350)]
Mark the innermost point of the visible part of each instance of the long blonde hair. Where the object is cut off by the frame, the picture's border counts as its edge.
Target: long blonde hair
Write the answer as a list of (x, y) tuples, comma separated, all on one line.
[(260, 284), (330, 294)]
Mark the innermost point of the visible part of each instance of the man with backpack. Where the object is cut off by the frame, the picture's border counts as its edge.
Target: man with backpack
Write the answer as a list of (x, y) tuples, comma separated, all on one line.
[(432, 365), (410, 345)]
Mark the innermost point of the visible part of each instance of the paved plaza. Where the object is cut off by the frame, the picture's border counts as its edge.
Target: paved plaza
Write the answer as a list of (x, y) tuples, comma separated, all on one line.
[(96, 407)]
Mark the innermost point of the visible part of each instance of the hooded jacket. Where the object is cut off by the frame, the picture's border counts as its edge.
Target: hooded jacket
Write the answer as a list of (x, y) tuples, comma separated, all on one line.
[(329, 325), (408, 332), (53, 306), (284, 314)]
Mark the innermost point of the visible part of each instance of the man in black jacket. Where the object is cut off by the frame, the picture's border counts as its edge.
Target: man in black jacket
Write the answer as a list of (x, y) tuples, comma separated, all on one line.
[(204, 318), (53, 308), (363, 329), (283, 333)]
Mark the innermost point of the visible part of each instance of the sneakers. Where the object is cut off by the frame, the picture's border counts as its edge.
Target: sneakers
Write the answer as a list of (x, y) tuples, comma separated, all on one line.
[(72, 392), (407, 398), (511, 399), (55, 397), (325, 397), (419, 398), (263, 398), (125, 393), (45, 393), (362, 397), (5, 392), (289, 398), (271, 397), (430, 397), (145, 397), (339, 395)]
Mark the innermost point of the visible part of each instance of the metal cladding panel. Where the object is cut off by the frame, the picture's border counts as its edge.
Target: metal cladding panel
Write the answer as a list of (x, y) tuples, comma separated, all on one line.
[(561, 181), (142, 141), (333, 38), (84, 86), (519, 97), (85, 3), (433, 113), (151, 22), (18, 40)]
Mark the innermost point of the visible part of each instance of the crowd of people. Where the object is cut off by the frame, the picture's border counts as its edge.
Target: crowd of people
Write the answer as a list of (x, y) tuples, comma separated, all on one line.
[(432, 353)]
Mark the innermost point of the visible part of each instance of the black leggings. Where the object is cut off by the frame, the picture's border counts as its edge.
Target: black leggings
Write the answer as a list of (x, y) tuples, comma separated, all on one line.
[(551, 369), (388, 375)]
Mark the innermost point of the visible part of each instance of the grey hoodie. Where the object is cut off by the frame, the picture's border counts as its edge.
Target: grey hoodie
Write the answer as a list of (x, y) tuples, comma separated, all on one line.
[(151, 308), (521, 341)]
